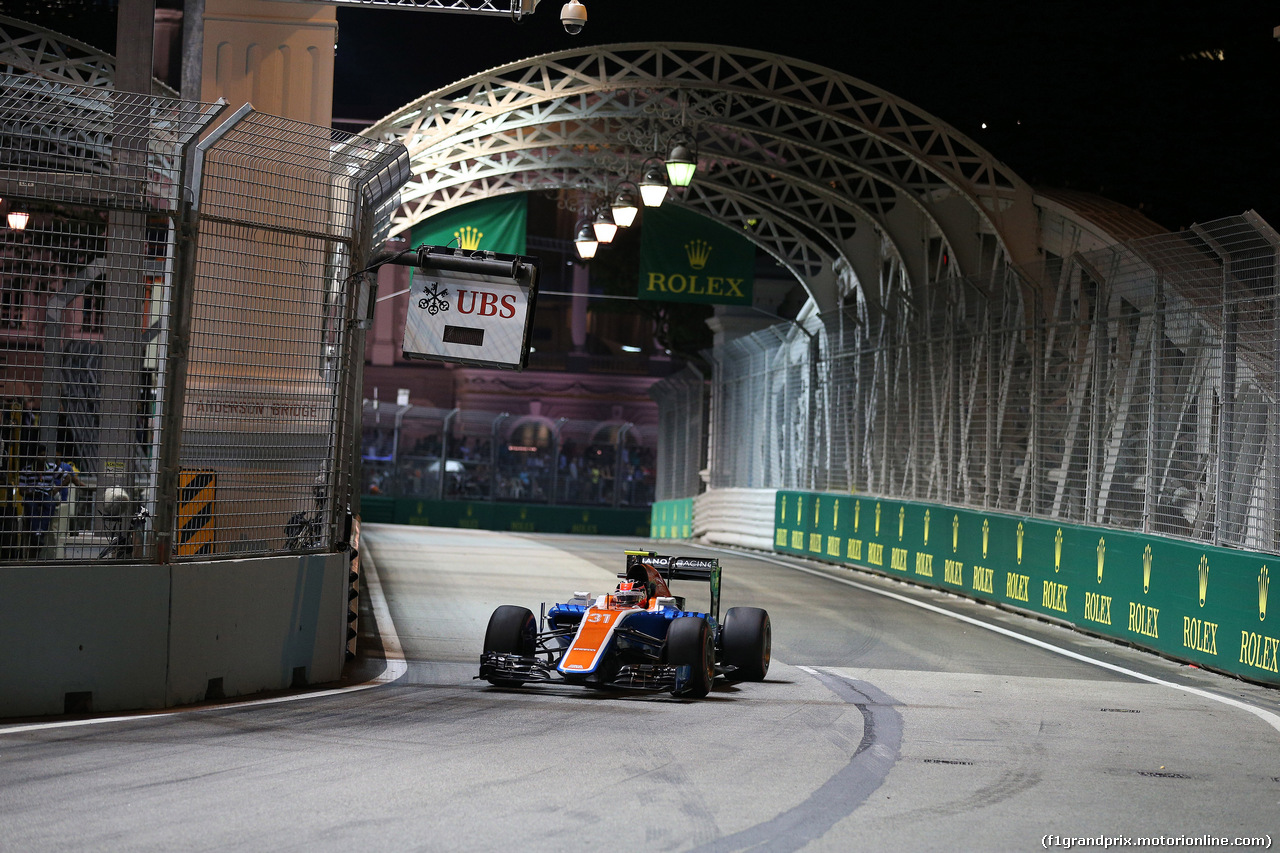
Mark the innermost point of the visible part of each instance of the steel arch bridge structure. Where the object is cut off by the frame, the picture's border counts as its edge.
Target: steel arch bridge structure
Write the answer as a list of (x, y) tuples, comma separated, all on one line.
[(849, 187), (42, 53)]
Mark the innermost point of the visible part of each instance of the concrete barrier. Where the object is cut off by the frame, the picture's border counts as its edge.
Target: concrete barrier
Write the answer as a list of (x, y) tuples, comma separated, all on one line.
[(742, 517), (75, 637), (256, 625), (123, 637)]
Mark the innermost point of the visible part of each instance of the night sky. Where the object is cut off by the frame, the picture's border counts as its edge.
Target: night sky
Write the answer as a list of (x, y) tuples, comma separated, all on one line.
[(1125, 98)]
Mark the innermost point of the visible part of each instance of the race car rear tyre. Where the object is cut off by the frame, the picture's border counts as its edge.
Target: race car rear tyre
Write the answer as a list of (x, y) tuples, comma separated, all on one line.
[(746, 642), (512, 631), (690, 643)]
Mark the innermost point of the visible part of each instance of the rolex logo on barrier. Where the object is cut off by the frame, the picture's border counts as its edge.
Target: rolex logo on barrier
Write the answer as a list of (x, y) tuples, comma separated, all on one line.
[(955, 532), (698, 252), (1020, 533), (1204, 577), (1264, 581), (926, 528), (1102, 555), (1146, 569), (902, 518), (784, 509), (986, 535), (857, 512), (799, 511), (817, 511), (1057, 550), (835, 515), (877, 518), (469, 238)]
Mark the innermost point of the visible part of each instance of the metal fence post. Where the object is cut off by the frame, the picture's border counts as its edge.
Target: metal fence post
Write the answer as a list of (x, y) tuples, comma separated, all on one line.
[(1153, 400), (811, 454), (175, 383), (618, 455), (444, 451), (493, 455)]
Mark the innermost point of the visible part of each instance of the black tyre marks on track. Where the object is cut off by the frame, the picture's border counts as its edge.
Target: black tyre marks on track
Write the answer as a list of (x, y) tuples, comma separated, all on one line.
[(840, 795)]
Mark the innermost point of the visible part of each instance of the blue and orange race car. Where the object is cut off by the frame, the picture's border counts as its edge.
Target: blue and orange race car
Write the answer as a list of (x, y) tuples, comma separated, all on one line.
[(639, 637)]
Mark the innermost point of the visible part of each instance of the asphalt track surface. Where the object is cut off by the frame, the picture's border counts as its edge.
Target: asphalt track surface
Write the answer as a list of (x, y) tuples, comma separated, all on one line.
[(893, 718)]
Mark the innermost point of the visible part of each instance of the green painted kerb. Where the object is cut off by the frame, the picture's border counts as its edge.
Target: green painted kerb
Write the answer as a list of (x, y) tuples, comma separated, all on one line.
[(1196, 603), (520, 518), (671, 519)]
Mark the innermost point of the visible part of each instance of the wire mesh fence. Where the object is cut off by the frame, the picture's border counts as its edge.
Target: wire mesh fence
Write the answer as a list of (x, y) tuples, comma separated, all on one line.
[(1133, 387), (426, 453), (682, 406), (176, 320)]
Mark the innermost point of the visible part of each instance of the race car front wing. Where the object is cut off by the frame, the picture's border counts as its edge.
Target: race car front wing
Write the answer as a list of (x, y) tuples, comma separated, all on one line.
[(634, 676)]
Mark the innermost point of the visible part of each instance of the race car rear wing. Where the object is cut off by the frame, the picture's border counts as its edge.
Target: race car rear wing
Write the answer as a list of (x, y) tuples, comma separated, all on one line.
[(681, 569)]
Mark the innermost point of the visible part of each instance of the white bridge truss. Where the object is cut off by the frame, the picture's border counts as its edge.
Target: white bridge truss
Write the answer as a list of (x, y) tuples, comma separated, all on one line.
[(838, 180), (28, 49)]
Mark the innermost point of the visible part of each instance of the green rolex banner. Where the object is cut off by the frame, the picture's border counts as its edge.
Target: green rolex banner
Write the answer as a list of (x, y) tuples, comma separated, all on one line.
[(685, 257), (494, 225)]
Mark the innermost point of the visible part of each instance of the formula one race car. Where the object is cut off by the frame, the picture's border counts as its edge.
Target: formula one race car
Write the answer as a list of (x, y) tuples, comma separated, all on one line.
[(639, 637)]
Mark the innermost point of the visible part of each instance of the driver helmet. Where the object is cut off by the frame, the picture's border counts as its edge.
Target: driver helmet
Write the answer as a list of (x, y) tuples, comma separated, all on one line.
[(630, 594)]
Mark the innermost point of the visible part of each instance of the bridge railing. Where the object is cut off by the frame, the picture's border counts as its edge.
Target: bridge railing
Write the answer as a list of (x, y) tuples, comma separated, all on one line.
[(1136, 387)]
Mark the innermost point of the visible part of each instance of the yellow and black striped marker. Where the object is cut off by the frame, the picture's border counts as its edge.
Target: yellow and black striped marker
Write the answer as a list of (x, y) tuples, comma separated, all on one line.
[(196, 529)]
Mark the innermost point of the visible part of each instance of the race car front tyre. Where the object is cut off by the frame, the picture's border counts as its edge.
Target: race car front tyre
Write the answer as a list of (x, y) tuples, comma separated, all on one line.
[(746, 642), (690, 643), (512, 631)]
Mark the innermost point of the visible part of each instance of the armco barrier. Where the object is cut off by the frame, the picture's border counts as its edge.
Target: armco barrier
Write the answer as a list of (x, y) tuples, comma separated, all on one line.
[(517, 518), (1196, 603), (671, 519)]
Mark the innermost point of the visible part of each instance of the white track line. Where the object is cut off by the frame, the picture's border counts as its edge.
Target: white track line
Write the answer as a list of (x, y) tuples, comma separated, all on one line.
[(392, 651), (1268, 717)]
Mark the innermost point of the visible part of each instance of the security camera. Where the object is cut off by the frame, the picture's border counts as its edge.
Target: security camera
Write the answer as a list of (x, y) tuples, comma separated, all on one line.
[(574, 17)]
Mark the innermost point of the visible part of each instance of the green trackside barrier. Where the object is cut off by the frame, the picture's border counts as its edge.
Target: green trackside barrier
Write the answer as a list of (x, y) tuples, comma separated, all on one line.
[(377, 509), (1192, 602), (671, 519), (520, 518)]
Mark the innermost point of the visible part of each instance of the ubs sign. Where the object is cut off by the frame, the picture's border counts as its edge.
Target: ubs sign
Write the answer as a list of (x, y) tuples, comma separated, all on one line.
[(685, 257), (470, 307)]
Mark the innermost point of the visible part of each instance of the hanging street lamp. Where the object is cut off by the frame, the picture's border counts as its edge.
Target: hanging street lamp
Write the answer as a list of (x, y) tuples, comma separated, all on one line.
[(624, 205), (604, 226), (681, 163), (586, 242), (653, 186)]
